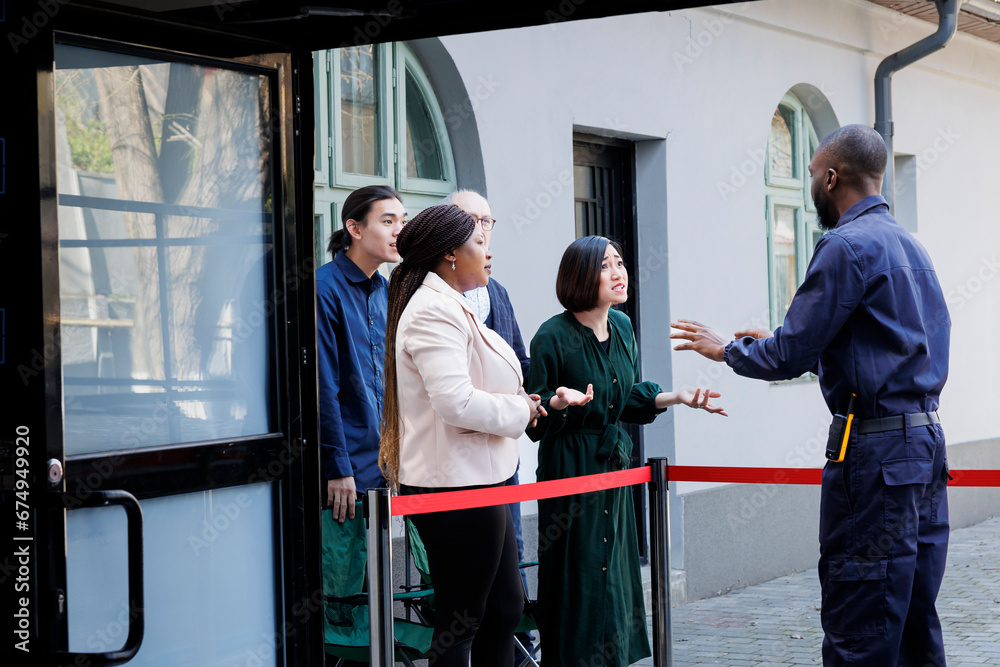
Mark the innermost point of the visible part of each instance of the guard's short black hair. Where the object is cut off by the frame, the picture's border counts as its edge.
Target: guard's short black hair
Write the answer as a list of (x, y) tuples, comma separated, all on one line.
[(580, 272), (858, 151)]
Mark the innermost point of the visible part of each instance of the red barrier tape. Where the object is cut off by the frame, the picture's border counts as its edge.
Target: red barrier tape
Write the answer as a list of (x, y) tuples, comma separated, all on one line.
[(745, 475), (974, 478), (503, 495)]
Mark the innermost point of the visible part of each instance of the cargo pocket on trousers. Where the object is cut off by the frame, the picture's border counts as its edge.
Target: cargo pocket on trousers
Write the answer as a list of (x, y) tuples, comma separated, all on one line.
[(906, 491), (854, 597)]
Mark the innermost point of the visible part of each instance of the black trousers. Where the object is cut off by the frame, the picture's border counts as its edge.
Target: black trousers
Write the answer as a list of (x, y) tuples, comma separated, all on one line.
[(472, 557)]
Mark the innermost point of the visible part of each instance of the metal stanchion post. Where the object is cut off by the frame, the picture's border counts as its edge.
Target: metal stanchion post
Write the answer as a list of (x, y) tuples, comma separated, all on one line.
[(659, 546), (380, 635)]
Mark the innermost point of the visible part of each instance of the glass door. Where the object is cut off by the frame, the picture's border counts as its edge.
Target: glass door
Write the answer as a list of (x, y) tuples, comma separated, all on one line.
[(172, 429)]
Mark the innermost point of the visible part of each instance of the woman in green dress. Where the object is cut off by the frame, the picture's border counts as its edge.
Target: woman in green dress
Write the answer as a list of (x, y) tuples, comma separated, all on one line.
[(584, 367)]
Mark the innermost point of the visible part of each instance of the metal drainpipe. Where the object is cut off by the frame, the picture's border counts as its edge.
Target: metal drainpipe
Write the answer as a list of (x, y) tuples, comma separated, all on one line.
[(947, 25)]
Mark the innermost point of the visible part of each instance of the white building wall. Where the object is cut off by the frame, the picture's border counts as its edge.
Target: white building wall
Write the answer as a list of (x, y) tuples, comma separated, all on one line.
[(697, 89)]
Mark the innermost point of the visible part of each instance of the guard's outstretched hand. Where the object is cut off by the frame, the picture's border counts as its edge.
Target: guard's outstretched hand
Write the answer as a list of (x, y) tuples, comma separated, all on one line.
[(703, 340)]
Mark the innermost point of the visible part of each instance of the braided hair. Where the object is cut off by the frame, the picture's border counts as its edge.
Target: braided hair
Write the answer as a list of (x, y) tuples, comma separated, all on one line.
[(423, 243)]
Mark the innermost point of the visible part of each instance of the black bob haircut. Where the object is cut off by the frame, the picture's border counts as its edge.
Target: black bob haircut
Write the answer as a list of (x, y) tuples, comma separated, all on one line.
[(580, 272)]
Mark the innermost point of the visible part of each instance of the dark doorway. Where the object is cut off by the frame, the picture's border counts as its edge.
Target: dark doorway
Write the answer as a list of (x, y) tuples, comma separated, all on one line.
[(604, 196)]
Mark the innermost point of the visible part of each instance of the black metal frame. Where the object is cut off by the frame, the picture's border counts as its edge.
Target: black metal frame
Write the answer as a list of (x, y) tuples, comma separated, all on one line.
[(287, 456), (659, 528)]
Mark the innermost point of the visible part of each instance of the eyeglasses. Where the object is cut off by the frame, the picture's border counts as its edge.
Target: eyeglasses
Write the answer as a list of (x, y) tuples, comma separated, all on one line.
[(487, 223)]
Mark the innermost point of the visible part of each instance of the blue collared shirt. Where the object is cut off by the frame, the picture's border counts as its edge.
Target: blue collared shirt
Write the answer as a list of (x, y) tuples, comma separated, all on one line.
[(350, 327), (870, 318), (502, 321)]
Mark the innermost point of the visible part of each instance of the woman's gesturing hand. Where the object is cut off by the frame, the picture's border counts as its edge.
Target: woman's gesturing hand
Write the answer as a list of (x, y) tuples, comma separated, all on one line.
[(699, 399), (565, 396)]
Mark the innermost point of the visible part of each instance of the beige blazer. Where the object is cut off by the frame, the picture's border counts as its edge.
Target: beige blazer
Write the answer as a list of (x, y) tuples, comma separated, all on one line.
[(459, 387)]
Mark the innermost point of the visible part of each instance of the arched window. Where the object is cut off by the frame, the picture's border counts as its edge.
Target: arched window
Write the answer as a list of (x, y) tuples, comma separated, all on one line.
[(792, 231), (377, 122)]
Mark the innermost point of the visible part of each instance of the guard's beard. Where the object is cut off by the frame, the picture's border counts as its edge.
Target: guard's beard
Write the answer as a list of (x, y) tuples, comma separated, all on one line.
[(824, 216)]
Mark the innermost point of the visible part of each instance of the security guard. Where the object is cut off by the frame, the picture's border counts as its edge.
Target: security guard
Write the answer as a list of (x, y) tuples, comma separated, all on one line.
[(870, 319)]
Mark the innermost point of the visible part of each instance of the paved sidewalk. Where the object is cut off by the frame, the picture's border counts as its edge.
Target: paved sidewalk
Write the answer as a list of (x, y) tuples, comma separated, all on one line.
[(777, 623)]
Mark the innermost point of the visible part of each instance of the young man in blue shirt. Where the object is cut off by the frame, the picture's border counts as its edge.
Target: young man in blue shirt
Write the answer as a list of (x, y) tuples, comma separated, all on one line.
[(351, 305)]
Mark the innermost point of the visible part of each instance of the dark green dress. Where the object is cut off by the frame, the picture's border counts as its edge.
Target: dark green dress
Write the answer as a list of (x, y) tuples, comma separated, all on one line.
[(591, 609)]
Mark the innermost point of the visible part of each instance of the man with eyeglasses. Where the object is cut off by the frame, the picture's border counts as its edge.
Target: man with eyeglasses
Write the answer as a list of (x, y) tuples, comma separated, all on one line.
[(493, 307), (491, 303)]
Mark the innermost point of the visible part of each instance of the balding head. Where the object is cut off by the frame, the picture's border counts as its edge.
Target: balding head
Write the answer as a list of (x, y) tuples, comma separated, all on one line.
[(474, 204), (848, 166), (857, 152)]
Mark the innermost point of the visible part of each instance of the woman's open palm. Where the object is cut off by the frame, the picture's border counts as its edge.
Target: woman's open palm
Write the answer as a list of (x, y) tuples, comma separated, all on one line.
[(575, 396)]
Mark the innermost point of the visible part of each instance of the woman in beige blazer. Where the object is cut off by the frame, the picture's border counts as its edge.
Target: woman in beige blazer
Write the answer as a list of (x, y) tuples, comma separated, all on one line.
[(454, 408)]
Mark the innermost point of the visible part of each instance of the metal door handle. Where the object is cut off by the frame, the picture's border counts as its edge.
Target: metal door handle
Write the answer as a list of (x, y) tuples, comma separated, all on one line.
[(136, 625)]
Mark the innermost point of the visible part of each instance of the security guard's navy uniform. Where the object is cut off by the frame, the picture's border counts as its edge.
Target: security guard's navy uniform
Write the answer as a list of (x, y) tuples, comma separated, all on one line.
[(870, 318)]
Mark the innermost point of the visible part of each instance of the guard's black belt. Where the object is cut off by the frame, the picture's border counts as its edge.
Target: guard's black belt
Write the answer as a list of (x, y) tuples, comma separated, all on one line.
[(896, 422)]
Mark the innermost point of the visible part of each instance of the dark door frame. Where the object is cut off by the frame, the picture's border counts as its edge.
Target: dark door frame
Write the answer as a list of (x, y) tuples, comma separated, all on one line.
[(31, 373), (619, 224)]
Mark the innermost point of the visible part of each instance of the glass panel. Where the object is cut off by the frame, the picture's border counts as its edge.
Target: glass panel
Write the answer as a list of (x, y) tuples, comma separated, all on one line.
[(317, 124), (806, 176), (780, 144), (423, 145), (164, 178), (783, 259), (359, 117), (605, 199), (321, 239), (209, 579), (581, 219), (583, 182)]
